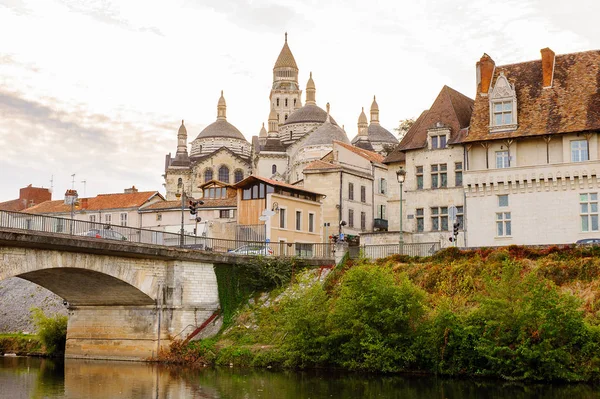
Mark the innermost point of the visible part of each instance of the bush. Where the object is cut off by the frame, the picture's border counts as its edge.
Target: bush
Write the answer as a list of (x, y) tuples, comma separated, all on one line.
[(52, 331)]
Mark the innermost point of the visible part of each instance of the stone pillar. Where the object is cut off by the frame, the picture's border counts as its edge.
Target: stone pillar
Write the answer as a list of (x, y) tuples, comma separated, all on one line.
[(341, 248)]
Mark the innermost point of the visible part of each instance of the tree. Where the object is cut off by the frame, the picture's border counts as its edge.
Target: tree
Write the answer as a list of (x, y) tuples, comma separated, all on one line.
[(403, 127)]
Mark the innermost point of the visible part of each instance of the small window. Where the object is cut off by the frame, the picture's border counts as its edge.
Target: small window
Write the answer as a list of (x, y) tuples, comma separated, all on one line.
[(363, 221), (503, 200), (350, 217), (123, 219), (93, 218), (502, 113), (439, 176), (458, 174), (273, 169), (351, 191), (381, 212), (108, 218), (294, 102), (439, 218), (382, 186), (311, 222), (579, 151), (286, 104), (282, 220), (502, 159), (419, 175), (208, 175), (420, 220), (298, 220), (503, 224), (238, 176), (588, 210), (363, 194), (291, 135), (286, 116), (438, 142), (159, 217), (224, 174), (277, 101), (225, 213)]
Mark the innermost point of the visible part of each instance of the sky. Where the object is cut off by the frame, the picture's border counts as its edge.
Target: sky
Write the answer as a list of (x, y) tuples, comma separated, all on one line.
[(98, 89)]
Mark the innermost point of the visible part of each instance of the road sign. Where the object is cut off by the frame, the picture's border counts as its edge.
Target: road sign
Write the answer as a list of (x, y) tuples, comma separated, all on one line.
[(342, 237), (452, 212)]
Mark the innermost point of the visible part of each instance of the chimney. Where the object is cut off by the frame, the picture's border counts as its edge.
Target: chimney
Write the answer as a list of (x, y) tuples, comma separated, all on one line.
[(84, 203), (485, 72), (547, 66), (131, 190)]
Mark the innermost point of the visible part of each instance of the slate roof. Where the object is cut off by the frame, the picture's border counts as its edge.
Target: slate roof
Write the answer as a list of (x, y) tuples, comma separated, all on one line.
[(379, 134), (571, 104), (100, 202), (221, 128), (308, 113)]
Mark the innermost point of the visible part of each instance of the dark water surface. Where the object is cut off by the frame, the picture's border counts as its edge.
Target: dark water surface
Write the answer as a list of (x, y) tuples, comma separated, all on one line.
[(22, 377)]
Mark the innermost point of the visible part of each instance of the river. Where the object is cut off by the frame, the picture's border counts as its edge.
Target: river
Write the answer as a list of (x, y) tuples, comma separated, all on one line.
[(25, 377)]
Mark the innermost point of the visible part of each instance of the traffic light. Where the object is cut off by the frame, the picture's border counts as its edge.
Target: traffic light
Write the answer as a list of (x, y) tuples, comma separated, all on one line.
[(456, 226), (194, 205)]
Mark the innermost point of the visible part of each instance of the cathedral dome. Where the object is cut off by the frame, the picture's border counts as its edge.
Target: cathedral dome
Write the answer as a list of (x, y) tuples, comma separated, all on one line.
[(221, 129), (325, 134), (379, 134), (308, 113)]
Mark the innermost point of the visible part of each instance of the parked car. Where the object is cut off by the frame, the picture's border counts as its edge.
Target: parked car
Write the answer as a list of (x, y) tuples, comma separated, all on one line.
[(104, 233), (587, 241), (253, 249)]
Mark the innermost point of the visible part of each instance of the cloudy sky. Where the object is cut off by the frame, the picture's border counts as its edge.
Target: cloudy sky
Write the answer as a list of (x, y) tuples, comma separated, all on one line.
[(98, 88)]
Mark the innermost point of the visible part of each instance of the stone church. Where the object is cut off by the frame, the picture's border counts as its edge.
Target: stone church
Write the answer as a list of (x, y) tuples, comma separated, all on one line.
[(296, 135)]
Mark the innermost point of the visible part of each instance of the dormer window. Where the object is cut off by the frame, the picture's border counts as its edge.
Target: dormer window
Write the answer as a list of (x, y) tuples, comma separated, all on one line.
[(438, 136), (438, 141), (503, 106)]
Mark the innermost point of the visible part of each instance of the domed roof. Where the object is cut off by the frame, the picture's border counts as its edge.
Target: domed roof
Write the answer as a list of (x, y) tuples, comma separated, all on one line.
[(374, 105), (308, 113), (378, 133), (182, 129), (263, 131), (286, 58), (362, 117), (311, 83), (221, 128), (325, 134)]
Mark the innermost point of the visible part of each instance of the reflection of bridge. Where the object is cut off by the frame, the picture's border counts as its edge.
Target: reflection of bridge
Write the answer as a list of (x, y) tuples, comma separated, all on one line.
[(126, 299)]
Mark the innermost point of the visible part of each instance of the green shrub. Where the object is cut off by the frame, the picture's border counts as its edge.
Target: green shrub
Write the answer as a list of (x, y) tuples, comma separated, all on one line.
[(52, 331)]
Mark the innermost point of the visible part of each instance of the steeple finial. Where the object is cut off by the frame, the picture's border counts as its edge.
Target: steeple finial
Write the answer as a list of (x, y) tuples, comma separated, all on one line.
[(328, 108), (374, 112), (222, 107), (310, 91), (286, 37)]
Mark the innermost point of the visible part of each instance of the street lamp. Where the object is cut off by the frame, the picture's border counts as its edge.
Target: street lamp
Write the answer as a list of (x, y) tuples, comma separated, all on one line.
[(401, 175), (71, 199), (181, 193)]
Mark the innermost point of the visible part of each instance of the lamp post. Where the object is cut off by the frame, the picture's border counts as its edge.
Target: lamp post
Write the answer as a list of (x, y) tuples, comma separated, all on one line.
[(401, 175), (181, 193), (70, 199)]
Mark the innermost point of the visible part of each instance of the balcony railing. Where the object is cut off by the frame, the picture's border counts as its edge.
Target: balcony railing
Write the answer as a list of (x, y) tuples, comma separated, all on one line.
[(380, 224), (102, 231)]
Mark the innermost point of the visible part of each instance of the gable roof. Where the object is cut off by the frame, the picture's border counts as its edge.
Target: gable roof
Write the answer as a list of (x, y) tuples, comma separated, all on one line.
[(202, 157), (368, 155), (98, 203), (253, 178), (571, 104), (320, 165)]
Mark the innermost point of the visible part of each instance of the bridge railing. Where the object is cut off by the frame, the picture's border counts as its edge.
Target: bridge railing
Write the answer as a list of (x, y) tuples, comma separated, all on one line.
[(385, 250), (52, 224)]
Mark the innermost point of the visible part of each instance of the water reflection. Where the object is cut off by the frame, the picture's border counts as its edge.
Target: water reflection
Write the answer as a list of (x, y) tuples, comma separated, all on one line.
[(23, 377)]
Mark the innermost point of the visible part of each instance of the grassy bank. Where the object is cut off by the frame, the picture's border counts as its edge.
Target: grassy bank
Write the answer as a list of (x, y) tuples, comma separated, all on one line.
[(20, 344), (513, 313)]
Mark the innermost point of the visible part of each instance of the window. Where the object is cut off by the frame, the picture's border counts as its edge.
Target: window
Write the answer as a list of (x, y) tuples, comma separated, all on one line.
[(159, 217), (502, 159), (208, 175), (273, 169), (298, 220), (381, 212), (460, 216), (294, 102), (503, 200), (420, 220), (224, 174), (439, 218), (439, 175), (286, 104), (256, 191), (458, 168), (382, 186), (363, 221), (238, 176), (93, 218), (311, 222), (502, 113), (588, 209), (419, 177), (123, 219), (579, 151), (285, 116), (351, 191), (291, 135), (277, 101), (282, 219), (108, 218), (225, 213), (350, 217), (503, 227), (438, 141), (363, 194)]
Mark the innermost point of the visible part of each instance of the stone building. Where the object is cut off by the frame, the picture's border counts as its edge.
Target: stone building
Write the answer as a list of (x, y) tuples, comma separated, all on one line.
[(532, 154)]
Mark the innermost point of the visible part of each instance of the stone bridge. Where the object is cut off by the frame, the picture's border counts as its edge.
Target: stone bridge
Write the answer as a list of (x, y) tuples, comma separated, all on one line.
[(125, 300)]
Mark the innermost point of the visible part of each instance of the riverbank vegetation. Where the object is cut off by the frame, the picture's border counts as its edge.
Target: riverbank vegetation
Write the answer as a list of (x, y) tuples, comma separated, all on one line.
[(514, 313)]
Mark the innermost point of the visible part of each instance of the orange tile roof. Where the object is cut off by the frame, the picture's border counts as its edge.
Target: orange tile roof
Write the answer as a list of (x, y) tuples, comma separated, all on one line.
[(571, 104), (13, 205), (368, 155), (208, 203), (319, 164), (100, 202), (275, 183)]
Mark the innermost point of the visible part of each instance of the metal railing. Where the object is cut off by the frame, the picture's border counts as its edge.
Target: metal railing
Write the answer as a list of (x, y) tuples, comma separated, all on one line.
[(52, 224), (385, 250)]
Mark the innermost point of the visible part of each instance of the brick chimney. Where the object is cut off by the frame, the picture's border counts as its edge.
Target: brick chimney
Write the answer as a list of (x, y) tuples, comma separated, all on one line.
[(84, 203), (547, 66), (485, 72), (131, 190)]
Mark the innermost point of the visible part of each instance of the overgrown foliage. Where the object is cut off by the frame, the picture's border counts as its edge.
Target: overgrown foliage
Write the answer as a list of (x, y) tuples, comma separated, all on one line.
[(51, 330), (515, 313)]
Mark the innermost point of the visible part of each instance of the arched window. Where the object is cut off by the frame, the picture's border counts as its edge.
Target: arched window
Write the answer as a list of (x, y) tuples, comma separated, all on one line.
[(199, 148), (238, 176), (294, 102), (274, 169), (286, 103), (291, 135), (277, 101), (224, 174), (208, 175)]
